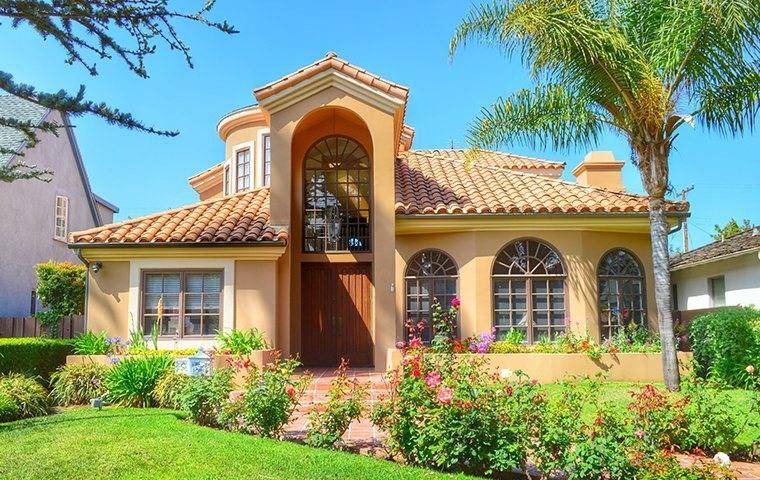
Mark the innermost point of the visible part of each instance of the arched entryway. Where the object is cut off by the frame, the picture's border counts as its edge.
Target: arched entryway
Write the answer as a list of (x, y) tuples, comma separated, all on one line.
[(335, 230)]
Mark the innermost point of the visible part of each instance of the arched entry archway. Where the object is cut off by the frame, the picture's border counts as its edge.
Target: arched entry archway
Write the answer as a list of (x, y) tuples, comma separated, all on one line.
[(333, 218)]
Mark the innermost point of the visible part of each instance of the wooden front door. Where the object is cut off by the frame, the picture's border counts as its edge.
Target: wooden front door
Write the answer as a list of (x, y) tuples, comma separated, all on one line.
[(336, 314)]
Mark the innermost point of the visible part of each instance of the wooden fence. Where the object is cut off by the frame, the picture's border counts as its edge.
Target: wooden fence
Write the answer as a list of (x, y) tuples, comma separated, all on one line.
[(11, 327)]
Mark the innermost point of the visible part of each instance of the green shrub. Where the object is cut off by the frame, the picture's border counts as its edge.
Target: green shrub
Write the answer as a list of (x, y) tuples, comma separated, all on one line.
[(169, 388), (711, 425), (22, 397), (725, 343), (241, 342), (345, 403), (77, 384), (35, 357), (90, 343), (272, 394), (61, 288), (204, 397), (131, 381)]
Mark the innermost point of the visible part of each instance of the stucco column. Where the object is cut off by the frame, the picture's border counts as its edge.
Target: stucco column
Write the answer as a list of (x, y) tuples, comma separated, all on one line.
[(256, 291)]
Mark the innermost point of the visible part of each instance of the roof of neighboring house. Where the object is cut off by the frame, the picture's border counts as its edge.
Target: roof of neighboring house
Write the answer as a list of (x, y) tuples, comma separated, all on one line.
[(742, 243), (243, 217), (495, 159), (22, 110), (331, 60), (428, 184)]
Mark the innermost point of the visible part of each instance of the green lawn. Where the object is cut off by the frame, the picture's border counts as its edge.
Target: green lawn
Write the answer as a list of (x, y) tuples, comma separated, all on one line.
[(741, 401), (148, 443)]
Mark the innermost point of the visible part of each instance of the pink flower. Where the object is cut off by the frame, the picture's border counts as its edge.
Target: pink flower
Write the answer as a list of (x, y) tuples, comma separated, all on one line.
[(415, 342), (640, 433), (433, 379), (455, 302), (236, 395), (445, 395), (750, 369), (290, 391)]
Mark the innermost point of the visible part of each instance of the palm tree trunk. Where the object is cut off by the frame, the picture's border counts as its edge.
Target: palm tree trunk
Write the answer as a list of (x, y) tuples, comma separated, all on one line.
[(662, 292)]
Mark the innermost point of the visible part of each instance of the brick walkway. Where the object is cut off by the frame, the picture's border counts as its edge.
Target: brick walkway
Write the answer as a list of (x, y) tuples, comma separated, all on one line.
[(363, 435)]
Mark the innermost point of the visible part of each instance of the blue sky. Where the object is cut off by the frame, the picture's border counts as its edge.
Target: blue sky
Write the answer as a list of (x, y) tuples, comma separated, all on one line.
[(404, 41)]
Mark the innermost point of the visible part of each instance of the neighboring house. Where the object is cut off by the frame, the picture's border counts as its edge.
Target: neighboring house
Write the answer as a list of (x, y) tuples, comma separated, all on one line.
[(323, 228), (36, 217), (723, 273)]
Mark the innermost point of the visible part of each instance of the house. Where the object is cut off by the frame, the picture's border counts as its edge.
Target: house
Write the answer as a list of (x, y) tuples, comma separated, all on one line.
[(324, 228), (722, 273), (36, 217)]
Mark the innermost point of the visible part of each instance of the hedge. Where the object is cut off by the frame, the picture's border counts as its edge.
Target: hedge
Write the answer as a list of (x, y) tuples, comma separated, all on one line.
[(36, 357), (725, 343)]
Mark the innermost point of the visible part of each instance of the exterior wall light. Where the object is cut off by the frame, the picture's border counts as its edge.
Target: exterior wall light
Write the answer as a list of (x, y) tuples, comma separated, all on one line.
[(96, 267)]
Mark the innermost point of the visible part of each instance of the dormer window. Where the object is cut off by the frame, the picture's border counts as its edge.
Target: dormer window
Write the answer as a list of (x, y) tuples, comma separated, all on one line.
[(243, 168)]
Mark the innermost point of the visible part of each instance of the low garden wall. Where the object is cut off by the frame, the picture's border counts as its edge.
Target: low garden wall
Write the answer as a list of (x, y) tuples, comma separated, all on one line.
[(551, 367), (258, 358)]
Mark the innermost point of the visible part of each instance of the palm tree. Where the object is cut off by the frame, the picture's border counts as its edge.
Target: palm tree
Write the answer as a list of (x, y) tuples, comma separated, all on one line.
[(640, 68)]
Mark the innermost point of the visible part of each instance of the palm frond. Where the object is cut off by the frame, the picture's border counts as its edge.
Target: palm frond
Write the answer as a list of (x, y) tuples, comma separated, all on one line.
[(732, 105), (548, 115)]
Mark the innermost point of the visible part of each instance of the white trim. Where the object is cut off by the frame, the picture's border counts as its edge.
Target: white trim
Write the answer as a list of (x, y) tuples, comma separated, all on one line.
[(251, 146), (228, 290), (65, 208), (323, 81), (260, 156)]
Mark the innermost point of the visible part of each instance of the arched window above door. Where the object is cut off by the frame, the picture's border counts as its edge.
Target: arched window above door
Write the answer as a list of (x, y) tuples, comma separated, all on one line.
[(336, 201), (528, 281), (430, 275), (621, 292)]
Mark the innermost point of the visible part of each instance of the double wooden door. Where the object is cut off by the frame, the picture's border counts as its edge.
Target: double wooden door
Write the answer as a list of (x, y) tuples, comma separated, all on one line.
[(336, 314)]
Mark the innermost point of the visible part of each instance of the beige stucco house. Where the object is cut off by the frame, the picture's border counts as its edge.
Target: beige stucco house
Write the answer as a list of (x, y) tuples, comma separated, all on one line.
[(326, 230)]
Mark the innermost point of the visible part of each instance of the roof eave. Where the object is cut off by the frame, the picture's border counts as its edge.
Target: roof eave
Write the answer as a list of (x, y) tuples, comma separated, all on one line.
[(715, 259)]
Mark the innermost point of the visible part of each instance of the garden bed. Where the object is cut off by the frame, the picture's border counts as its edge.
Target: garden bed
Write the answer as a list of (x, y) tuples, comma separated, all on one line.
[(551, 367)]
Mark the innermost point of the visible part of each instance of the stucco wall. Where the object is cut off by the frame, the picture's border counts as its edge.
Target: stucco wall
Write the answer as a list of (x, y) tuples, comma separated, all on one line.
[(255, 297), (742, 276), (27, 216), (108, 299), (474, 253)]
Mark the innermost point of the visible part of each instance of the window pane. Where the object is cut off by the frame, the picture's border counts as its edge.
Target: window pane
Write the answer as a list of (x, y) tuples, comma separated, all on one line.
[(192, 325), (194, 282), (210, 324), (212, 282), (171, 283)]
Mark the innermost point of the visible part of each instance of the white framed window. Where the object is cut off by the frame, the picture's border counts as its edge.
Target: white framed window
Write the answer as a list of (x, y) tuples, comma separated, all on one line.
[(61, 218), (226, 179), (243, 169), (717, 287), (266, 160)]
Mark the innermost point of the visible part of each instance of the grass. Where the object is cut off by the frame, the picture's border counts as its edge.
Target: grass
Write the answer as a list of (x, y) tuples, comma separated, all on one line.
[(742, 401), (148, 443)]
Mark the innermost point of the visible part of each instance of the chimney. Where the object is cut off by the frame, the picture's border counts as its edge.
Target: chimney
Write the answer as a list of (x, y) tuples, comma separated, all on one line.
[(600, 169)]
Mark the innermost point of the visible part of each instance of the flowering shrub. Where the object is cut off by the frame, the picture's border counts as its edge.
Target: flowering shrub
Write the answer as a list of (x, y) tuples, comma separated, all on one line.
[(272, 394), (77, 384), (658, 417), (345, 403), (451, 416), (204, 397), (444, 325)]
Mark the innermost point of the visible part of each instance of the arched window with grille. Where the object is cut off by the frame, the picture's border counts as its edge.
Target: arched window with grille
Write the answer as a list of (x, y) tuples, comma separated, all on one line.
[(336, 206), (528, 280), (430, 275), (621, 292)]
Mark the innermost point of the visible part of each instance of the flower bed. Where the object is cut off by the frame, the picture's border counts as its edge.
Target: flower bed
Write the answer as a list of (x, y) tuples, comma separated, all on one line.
[(551, 367)]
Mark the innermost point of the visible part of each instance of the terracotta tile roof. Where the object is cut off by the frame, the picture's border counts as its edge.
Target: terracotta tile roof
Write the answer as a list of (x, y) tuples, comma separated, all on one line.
[(497, 159), (331, 60), (426, 184), (742, 243), (243, 217)]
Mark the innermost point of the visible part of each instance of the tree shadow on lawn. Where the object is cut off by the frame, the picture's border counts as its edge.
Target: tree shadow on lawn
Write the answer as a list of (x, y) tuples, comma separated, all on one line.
[(84, 415)]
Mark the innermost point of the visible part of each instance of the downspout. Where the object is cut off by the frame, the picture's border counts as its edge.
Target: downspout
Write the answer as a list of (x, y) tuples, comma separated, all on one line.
[(78, 253)]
